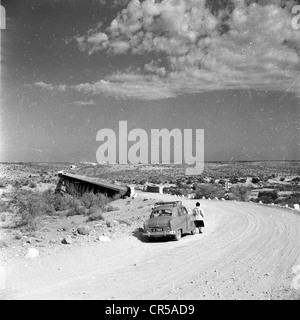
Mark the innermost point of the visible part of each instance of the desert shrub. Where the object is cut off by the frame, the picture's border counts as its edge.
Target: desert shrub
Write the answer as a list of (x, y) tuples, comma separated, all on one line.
[(90, 200), (75, 208), (255, 180), (267, 196), (2, 184), (30, 207), (6, 206), (110, 208), (142, 181), (59, 202), (175, 191), (234, 179), (222, 182), (230, 196), (296, 179), (2, 207), (181, 183), (16, 184), (240, 193), (95, 215), (3, 217), (168, 190), (117, 196), (209, 190), (32, 184), (200, 179), (290, 200)]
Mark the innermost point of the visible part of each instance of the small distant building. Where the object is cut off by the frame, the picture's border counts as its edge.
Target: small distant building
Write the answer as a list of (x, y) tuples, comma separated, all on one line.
[(155, 189)]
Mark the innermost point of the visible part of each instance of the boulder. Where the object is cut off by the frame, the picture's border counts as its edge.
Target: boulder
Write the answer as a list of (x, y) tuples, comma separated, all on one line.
[(85, 230), (104, 239), (32, 253), (66, 240)]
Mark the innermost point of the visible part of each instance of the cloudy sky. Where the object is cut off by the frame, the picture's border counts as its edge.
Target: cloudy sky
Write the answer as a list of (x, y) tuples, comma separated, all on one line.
[(72, 67)]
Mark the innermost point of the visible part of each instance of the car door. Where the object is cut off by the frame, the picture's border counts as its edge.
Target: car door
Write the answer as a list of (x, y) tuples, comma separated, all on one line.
[(178, 219), (183, 219), (186, 220)]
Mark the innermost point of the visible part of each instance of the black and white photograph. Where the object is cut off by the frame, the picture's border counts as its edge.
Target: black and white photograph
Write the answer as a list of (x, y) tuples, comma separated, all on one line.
[(150, 152)]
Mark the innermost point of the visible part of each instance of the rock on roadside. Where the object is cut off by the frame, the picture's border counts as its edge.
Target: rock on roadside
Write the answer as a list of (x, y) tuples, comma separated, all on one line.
[(66, 240), (32, 253), (104, 239), (83, 230)]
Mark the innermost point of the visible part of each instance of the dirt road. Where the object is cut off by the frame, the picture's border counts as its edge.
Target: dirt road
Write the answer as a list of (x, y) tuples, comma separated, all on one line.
[(246, 251)]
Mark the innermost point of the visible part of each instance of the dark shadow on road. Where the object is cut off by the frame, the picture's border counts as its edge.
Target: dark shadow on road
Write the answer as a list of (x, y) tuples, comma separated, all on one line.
[(138, 233)]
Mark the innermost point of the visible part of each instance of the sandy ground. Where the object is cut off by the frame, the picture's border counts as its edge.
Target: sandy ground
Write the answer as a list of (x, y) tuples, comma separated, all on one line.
[(247, 251)]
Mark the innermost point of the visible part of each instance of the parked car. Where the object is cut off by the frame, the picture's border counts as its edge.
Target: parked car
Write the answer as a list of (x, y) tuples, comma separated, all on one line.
[(169, 219)]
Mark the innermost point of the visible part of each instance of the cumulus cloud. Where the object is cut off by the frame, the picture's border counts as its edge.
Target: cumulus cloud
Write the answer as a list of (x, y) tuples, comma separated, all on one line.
[(126, 85), (51, 87), (202, 44), (44, 85)]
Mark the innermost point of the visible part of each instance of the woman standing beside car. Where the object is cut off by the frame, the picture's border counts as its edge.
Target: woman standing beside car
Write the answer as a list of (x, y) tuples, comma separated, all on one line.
[(198, 213)]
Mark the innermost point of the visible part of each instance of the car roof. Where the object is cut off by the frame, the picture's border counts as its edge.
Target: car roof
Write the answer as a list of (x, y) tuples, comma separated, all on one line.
[(168, 203), (170, 207)]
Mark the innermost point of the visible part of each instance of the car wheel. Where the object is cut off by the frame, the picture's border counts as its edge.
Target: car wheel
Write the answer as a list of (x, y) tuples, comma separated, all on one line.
[(178, 235), (193, 231)]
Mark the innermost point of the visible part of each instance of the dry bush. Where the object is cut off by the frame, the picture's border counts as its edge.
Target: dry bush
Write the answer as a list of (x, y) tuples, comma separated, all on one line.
[(209, 191), (3, 217), (267, 196), (110, 209), (32, 184), (90, 200), (95, 215), (3, 184), (290, 200), (75, 208), (240, 193), (30, 206)]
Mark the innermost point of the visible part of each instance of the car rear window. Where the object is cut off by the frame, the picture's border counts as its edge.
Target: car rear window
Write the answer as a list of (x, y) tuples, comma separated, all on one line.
[(161, 212)]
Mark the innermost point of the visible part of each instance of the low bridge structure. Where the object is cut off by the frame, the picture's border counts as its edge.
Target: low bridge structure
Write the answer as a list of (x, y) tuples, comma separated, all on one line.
[(78, 185)]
